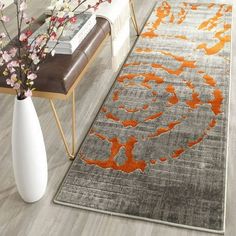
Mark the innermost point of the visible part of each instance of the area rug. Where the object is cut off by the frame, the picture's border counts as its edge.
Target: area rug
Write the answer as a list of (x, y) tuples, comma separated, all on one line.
[(157, 150)]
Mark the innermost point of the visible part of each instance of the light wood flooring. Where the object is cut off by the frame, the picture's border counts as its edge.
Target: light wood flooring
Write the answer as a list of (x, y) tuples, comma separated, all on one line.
[(46, 218)]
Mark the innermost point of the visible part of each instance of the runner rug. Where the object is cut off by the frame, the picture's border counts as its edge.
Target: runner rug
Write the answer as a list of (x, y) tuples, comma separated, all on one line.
[(157, 149)]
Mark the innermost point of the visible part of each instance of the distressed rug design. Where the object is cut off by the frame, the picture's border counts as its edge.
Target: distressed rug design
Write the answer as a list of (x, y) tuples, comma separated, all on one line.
[(157, 149)]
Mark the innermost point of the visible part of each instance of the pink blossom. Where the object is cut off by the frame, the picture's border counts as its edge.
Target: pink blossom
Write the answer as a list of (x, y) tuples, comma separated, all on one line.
[(28, 33), (61, 19), (39, 39), (32, 76), (53, 18), (27, 19), (6, 57), (53, 35), (28, 93), (13, 77), (23, 37), (16, 86), (13, 64), (35, 58), (2, 35), (10, 82), (13, 52), (73, 19), (5, 19), (11, 67), (23, 6), (22, 66)]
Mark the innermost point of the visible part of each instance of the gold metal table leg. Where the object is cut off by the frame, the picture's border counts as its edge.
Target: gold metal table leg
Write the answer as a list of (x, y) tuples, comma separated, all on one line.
[(133, 17), (71, 154), (73, 123)]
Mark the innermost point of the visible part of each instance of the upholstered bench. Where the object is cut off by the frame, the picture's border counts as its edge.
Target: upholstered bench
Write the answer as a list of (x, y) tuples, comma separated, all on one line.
[(60, 74)]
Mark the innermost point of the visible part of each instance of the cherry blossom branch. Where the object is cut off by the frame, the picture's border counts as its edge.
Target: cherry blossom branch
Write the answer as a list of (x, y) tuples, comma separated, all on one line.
[(21, 62)]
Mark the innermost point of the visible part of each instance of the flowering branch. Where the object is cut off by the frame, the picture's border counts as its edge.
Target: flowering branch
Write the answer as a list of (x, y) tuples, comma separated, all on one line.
[(21, 59)]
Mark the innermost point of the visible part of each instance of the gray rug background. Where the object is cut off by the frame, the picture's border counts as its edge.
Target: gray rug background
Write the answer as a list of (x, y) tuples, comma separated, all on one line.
[(190, 190)]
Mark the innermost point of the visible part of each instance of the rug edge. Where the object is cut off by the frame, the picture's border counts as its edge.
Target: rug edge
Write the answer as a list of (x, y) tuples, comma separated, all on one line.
[(229, 120), (220, 232)]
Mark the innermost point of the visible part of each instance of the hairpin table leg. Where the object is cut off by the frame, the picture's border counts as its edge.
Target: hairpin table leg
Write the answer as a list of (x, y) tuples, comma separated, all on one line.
[(133, 17), (71, 154)]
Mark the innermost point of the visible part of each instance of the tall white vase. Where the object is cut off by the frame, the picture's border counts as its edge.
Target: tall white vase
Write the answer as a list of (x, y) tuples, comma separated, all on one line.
[(28, 152)]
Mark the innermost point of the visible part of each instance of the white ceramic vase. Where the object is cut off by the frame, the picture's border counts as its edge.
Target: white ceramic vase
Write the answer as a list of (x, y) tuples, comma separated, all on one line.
[(28, 152)]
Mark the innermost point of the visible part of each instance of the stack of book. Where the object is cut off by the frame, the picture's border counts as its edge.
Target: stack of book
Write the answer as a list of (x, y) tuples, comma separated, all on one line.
[(73, 34)]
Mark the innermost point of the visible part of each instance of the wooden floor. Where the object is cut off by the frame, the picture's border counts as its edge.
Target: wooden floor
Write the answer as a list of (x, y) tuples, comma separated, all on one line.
[(46, 218)]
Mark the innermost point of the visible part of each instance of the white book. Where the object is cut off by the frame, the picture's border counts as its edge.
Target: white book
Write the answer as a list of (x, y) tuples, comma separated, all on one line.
[(77, 39), (74, 34), (61, 49)]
